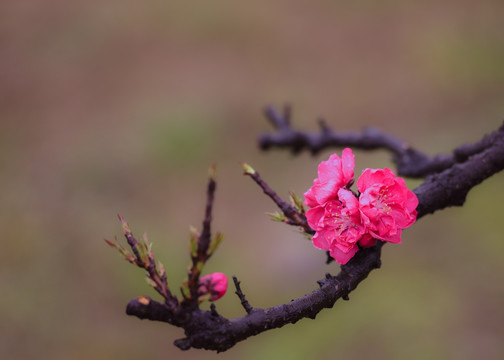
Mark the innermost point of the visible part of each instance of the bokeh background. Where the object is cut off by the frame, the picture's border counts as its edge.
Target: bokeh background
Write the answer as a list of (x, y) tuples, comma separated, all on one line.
[(113, 107)]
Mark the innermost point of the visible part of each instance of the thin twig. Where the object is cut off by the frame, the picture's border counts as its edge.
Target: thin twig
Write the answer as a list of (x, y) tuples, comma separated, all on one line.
[(294, 217), (202, 254), (241, 295), (145, 260), (204, 240)]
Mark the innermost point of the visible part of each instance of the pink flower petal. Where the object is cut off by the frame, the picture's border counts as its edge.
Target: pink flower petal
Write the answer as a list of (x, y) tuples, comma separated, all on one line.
[(333, 174), (320, 241), (367, 241), (387, 206), (347, 165), (310, 199), (314, 216), (348, 198), (343, 257), (325, 191)]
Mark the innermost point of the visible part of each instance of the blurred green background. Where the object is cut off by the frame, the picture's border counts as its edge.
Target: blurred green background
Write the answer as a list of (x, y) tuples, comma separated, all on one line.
[(113, 107)]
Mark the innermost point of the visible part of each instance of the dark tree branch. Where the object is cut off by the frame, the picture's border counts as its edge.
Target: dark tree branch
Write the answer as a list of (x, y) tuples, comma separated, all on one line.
[(217, 333), (409, 161), (443, 188), (450, 187)]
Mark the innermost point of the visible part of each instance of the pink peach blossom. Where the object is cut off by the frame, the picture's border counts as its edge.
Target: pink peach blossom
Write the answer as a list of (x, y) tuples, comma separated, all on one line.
[(343, 222), (214, 284), (334, 210), (386, 205), (333, 174), (338, 226)]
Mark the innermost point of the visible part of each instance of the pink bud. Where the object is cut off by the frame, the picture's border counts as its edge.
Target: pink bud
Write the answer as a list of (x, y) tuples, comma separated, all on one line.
[(214, 284)]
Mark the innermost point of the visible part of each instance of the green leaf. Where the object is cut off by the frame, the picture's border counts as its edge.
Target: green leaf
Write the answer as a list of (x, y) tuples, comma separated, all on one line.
[(215, 243), (125, 253), (147, 245), (204, 297), (297, 202), (199, 266), (306, 235), (277, 216), (184, 289)]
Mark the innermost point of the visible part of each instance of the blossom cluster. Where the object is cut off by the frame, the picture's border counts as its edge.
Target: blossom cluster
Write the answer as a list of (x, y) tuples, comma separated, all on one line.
[(342, 221)]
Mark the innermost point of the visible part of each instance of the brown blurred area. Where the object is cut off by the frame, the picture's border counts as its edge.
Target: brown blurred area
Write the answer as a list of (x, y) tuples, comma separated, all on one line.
[(113, 107)]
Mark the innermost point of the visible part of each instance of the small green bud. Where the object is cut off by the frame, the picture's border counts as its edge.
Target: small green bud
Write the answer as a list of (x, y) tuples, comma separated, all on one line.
[(248, 169), (161, 269), (212, 172), (194, 241), (125, 226), (150, 282)]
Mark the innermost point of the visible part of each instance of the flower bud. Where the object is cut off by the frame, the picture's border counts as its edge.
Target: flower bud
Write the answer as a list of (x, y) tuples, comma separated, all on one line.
[(214, 285)]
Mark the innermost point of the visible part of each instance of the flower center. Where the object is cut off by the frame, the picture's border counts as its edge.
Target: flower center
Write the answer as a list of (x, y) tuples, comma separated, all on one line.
[(338, 218), (383, 201)]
